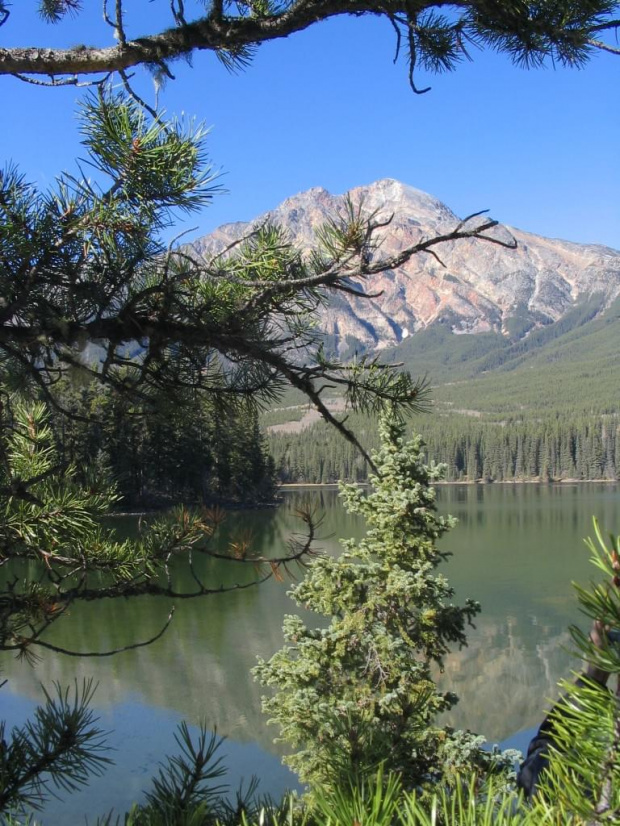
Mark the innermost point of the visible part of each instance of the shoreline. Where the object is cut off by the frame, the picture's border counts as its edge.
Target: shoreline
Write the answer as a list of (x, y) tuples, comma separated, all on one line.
[(480, 482), (238, 506), (163, 510)]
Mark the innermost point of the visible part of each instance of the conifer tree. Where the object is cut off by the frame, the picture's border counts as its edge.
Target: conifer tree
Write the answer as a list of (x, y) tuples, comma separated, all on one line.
[(362, 690)]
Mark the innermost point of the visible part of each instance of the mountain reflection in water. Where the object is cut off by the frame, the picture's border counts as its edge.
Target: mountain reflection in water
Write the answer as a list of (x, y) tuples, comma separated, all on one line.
[(516, 549)]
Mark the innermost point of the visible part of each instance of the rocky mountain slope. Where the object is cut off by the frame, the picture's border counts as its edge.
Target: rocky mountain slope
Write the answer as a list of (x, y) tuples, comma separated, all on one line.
[(482, 287)]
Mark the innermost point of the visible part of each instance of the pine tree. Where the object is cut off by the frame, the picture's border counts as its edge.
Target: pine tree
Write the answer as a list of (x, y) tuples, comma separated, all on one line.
[(361, 690)]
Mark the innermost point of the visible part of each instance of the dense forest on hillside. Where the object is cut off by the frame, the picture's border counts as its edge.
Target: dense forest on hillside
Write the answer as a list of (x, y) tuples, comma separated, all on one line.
[(537, 402), (475, 448), (158, 452)]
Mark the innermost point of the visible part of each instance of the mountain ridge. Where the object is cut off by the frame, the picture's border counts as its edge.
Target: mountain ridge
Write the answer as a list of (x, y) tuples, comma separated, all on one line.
[(482, 287)]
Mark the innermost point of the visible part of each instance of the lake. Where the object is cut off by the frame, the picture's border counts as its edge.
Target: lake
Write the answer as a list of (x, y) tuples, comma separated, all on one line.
[(516, 549)]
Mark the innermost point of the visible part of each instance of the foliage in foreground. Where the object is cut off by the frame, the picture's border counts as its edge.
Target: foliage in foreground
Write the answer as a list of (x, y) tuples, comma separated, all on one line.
[(379, 800), (432, 38), (584, 775), (190, 790), (90, 290), (59, 749), (83, 265), (349, 695), (58, 552)]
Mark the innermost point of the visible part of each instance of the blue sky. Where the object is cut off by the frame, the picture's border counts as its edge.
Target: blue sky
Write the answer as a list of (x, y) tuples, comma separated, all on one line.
[(327, 107)]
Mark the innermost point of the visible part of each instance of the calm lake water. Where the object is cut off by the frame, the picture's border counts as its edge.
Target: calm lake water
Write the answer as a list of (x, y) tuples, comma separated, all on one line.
[(516, 549)]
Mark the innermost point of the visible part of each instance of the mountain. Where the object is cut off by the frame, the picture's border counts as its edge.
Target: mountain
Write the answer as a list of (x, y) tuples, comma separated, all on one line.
[(520, 346), (507, 296)]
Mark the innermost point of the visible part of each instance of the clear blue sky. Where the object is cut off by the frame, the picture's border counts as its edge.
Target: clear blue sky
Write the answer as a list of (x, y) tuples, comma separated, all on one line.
[(328, 108)]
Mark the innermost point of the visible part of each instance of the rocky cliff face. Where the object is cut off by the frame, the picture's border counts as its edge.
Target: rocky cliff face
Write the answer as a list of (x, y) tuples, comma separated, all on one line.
[(482, 287)]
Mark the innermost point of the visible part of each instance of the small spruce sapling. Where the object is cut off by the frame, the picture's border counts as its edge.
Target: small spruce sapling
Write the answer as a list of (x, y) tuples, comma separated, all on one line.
[(361, 692)]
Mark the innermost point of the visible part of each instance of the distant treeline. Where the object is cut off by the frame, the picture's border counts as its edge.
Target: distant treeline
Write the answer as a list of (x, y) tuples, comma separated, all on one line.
[(164, 452), (584, 447)]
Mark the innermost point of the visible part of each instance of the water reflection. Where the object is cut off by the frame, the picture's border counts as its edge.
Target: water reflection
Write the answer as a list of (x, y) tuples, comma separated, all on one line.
[(516, 549), (503, 681)]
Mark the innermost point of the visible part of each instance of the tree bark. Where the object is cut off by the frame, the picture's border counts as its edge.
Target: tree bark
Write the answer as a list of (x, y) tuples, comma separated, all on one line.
[(210, 33)]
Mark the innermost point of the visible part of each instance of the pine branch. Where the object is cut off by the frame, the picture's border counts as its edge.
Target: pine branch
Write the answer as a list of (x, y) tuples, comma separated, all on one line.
[(60, 747), (529, 32), (186, 781)]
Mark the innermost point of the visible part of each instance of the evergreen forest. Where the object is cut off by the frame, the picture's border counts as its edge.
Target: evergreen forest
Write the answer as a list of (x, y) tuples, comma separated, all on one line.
[(162, 453), (504, 408), (475, 449)]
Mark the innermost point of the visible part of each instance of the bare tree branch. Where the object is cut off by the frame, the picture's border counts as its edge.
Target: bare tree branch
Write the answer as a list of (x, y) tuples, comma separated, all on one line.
[(69, 653), (604, 47), (212, 33)]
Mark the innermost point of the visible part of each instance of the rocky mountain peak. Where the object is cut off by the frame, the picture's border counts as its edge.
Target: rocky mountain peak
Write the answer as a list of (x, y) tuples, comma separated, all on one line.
[(390, 195), (480, 287)]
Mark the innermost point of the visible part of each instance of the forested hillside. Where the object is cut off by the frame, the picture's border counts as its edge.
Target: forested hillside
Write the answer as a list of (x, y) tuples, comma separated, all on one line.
[(161, 453), (554, 447), (505, 408)]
